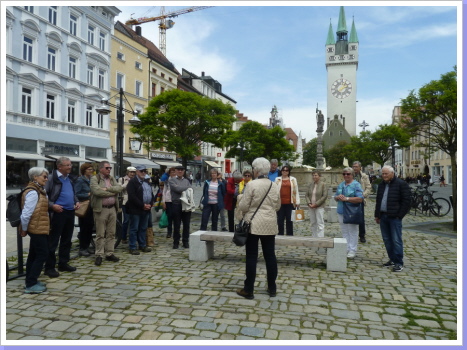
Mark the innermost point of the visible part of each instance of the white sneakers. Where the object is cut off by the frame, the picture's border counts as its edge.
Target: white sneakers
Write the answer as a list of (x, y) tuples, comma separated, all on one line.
[(351, 255)]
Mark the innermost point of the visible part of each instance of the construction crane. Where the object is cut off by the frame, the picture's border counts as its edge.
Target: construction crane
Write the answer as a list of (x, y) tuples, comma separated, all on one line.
[(164, 24)]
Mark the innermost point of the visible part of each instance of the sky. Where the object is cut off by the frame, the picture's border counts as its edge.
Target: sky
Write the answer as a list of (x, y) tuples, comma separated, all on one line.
[(275, 55)]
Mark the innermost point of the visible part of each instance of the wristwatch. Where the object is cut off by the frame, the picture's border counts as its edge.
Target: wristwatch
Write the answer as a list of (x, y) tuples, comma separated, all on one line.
[(347, 199)]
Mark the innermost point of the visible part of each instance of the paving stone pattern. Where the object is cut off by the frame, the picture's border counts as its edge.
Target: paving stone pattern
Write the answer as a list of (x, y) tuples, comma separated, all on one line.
[(163, 296)]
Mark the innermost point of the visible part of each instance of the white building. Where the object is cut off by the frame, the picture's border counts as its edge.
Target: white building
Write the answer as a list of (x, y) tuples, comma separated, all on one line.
[(57, 72)]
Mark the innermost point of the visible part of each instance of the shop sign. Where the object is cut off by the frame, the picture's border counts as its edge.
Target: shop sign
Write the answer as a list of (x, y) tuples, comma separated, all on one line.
[(155, 155)]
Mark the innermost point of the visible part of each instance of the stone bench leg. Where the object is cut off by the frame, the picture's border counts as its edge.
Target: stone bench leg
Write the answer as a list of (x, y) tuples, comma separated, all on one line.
[(200, 250), (336, 259), (332, 215)]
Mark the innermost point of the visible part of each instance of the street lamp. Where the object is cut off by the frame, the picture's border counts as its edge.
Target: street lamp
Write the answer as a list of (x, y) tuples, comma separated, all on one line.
[(393, 147), (104, 109), (241, 148)]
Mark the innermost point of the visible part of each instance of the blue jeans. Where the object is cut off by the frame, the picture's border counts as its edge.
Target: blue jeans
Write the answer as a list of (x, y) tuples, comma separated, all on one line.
[(138, 226), (126, 222), (285, 214), (391, 230), (269, 254), (209, 209)]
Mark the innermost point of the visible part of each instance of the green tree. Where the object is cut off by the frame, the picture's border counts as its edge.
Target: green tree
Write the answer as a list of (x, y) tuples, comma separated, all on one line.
[(180, 120), (336, 154), (359, 149), (380, 141), (310, 152), (431, 112), (258, 141)]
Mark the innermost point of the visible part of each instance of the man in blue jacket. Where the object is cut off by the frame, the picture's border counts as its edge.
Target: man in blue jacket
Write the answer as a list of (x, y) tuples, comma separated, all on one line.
[(392, 204)]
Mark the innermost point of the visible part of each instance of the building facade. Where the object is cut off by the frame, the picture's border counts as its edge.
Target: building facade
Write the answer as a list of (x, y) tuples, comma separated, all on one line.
[(57, 72)]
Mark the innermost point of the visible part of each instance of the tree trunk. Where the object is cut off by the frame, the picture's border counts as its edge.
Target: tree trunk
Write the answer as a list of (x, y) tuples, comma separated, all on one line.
[(454, 189)]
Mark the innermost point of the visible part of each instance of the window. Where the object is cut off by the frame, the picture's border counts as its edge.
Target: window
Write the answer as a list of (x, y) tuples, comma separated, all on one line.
[(73, 24), (101, 78), (29, 8), (26, 100), (162, 75), (120, 56), (53, 15), (100, 121), (170, 79), (153, 90), (90, 74), (138, 88), (27, 49), (50, 107), (120, 80), (154, 70), (341, 133), (138, 65), (51, 57), (330, 49), (71, 111), (162, 89), (102, 41), (91, 35), (89, 115), (72, 68)]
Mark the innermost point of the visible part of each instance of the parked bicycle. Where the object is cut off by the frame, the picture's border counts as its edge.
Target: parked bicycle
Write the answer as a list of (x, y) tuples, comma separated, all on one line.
[(423, 201)]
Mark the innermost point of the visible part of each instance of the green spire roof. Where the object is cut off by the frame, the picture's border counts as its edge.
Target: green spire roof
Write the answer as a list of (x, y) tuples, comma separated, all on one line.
[(353, 34), (330, 40), (342, 26)]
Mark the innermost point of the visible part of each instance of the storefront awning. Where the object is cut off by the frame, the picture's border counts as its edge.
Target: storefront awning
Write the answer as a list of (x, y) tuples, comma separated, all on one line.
[(32, 156), (212, 164), (140, 161), (72, 159), (166, 163), (98, 160)]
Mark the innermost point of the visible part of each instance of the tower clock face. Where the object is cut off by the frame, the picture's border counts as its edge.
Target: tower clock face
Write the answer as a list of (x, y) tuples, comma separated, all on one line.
[(341, 88)]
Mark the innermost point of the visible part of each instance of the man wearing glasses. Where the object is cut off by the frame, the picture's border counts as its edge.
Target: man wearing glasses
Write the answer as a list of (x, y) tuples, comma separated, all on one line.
[(62, 204), (140, 201), (104, 202), (178, 184)]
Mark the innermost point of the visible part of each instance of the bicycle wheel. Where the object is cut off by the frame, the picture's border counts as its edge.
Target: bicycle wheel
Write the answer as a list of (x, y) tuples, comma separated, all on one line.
[(440, 207)]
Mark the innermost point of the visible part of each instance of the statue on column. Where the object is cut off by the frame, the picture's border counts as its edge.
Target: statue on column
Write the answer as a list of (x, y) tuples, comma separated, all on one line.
[(319, 131), (319, 120)]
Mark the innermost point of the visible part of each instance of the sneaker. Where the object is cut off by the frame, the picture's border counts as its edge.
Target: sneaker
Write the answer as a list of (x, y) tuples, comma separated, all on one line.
[(398, 268), (224, 229), (389, 264), (83, 252), (52, 273), (145, 249), (351, 255), (244, 294), (134, 252), (98, 261), (66, 267), (35, 289), (38, 283), (112, 258)]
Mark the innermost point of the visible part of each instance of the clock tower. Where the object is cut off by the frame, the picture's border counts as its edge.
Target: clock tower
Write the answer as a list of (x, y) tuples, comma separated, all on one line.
[(341, 65)]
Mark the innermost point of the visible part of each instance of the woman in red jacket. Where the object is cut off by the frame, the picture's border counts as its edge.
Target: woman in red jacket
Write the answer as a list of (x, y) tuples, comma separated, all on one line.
[(230, 198)]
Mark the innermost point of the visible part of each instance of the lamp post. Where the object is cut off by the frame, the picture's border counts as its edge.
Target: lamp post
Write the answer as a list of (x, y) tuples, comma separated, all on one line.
[(393, 147), (241, 148), (105, 110)]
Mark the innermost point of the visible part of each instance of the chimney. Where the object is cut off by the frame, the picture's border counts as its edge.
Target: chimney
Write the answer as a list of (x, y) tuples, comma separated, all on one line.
[(202, 74), (343, 122), (328, 122), (138, 30)]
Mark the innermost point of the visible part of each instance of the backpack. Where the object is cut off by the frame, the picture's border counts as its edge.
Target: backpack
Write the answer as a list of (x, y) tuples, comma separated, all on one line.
[(13, 210)]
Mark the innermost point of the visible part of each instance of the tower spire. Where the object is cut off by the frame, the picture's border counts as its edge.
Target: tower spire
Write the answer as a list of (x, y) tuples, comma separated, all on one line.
[(353, 33), (342, 25), (330, 40)]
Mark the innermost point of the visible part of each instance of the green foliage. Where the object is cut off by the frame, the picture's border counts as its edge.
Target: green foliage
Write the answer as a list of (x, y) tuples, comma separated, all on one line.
[(310, 152), (379, 149), (180, 120), (336, 154), (258, 141)]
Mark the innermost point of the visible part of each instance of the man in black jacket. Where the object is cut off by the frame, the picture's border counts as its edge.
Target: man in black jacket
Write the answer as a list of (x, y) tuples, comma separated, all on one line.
[(138, 206), (392, 204)]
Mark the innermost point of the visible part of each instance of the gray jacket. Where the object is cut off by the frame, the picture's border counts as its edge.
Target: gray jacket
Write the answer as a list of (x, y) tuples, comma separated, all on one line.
[(177, 186)]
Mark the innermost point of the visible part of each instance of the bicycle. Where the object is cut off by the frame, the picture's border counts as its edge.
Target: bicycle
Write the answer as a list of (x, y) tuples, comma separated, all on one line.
[(422, 199)]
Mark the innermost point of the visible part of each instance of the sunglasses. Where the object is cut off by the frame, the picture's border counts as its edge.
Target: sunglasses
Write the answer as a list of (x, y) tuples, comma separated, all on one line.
[(346, 174), (246, 175), (108, 168), (44, 176), (144, 170)]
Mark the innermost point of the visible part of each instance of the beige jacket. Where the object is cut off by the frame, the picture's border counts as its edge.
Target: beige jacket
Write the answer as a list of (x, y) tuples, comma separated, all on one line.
[(295, 196), (265, 220), (321, 193), (366, 185), (97, 192)]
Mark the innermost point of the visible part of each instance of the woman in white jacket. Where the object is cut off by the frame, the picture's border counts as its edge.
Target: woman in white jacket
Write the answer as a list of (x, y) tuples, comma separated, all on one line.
[(263, 226), (290, 199)]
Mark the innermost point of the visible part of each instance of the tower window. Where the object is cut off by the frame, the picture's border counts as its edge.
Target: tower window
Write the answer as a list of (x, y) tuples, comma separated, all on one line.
[(330, 49), (353, 47)]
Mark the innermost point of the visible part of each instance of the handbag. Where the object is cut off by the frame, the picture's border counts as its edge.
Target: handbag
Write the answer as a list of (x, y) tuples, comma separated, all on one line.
[(353, 213), (298, 215), (83, 208), (164, 220), (243, 228)]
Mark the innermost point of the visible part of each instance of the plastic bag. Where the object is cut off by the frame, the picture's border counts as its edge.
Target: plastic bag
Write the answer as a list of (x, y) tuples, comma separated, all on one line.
[(164, 220)]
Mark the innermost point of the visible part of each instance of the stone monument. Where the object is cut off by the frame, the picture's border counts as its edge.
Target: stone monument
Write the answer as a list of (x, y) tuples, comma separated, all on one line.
[(319, 131)]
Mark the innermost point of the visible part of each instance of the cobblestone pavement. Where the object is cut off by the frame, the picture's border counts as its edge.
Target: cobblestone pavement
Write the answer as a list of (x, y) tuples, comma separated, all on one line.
[(163, 296)]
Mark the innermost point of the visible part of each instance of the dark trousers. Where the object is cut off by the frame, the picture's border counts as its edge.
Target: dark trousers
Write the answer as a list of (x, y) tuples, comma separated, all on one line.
[(361, 227), (138, 227), (208, 210), (231, 216), (38, 252), (285, 214), (180, 217), (168, 212), (62, 226), (126, 222), (86, 226), (267, 244)]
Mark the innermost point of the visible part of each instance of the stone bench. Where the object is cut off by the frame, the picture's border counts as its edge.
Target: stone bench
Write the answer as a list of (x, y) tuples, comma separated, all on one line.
[(202, 246)]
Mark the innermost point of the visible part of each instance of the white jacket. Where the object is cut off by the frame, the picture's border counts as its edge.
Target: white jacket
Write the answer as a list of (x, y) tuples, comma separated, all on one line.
[(295, 196), (188, 200)]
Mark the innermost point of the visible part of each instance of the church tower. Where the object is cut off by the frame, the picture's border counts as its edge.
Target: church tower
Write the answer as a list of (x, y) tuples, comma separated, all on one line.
[(341, 65)]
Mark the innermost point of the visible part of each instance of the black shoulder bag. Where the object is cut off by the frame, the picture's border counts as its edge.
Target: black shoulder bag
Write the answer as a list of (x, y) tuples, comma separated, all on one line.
[(243, 228)]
